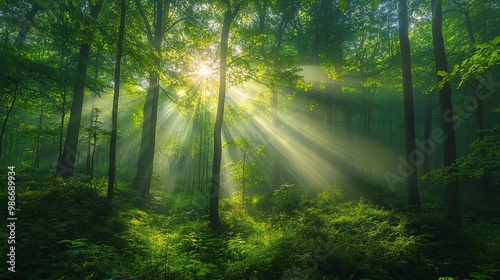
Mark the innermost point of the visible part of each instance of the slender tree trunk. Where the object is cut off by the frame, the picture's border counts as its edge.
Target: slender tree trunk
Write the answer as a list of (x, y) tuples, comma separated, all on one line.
[(61, 126), (348, 168), (427, 133), (214, 191), (452, 195), (244, 178), (206, 151), (348, 121), (63, 113), (92, 112), (200, 117), (94, 144), (329, 111), (276, 175), (335, 123), (207, 160), (142, 180), (66, 164), (9, 110), (114, 113), (409, 118), (370, 110), (11, 144), (89, 142), (479, 102), (364, 115), (36, 163)]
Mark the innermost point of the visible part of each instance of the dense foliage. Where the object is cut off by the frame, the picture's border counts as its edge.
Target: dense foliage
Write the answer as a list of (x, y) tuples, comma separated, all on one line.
[(292, 234), (259, 139)]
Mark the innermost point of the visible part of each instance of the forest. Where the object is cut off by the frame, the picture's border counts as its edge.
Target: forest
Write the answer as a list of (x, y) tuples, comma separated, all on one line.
[(250, 139)]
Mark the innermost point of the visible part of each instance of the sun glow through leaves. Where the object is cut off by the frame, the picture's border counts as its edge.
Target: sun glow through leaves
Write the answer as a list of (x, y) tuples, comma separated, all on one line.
[(310, 154), (204, 70)]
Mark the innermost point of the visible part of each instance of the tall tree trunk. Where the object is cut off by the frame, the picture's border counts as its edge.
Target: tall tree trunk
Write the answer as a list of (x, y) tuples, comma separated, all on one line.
[(92, 112), (452, 195), (114, 113), (144, 174), (229, 16), (66, 164), (409, 118), (479, 102), (142, 180)]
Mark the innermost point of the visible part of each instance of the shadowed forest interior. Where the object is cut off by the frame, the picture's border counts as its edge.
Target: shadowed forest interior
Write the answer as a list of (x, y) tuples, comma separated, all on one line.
[(259, 139)]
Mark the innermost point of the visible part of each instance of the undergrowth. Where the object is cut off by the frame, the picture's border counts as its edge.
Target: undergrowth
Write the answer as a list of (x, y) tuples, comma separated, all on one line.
[(67, 230)]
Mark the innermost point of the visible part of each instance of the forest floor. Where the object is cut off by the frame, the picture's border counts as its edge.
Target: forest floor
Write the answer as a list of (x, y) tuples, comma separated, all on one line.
[(66, 230)]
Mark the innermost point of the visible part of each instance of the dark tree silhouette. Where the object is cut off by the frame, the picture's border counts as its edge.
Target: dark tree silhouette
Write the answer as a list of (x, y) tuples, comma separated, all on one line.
[(452, 196), (409, 117), (66, 163), (114, 113)]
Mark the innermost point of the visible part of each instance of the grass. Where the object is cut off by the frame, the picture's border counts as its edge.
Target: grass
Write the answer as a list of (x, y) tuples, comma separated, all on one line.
[(68, 231)]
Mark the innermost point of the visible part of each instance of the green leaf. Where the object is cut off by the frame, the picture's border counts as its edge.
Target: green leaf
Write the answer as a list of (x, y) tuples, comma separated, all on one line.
[(375, 3), (201, 273), (482, 46), (496, 41), (138, 258), (343, 5), (442, 73)]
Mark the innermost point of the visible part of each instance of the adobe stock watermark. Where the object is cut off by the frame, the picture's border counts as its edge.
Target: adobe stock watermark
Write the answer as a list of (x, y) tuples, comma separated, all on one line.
[(68, 164), (11, 218), (426, 148), (309, 264)]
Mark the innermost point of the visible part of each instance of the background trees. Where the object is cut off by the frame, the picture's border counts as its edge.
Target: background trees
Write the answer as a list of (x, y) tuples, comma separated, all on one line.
[(277, 47), (66, 163)]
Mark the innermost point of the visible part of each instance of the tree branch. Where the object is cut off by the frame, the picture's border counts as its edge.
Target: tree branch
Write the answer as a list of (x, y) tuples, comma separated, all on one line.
[(149, 31), (175, 23)]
